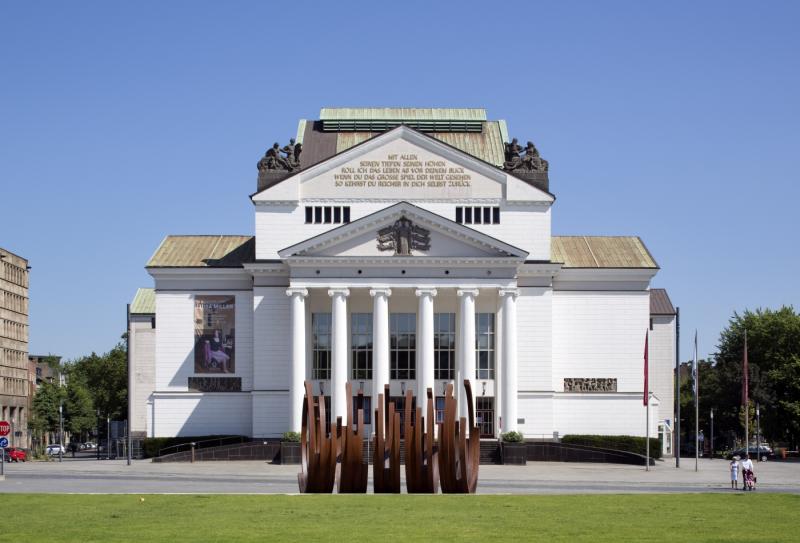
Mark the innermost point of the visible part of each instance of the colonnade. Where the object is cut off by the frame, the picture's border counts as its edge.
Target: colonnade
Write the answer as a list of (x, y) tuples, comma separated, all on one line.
[(424, 349)]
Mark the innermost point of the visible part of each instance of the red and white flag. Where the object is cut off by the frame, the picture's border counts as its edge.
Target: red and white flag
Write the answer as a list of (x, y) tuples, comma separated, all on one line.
[(745, 375), (646, 383)]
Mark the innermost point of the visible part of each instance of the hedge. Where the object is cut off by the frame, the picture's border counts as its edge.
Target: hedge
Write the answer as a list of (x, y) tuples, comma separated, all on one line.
[(634, 444), (151, 445)]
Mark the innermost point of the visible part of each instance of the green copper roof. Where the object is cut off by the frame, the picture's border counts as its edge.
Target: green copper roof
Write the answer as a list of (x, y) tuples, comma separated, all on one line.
[(144, 303), (402, 114)]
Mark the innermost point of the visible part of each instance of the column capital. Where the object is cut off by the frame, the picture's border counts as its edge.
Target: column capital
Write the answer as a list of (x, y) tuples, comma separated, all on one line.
[(425, 292), (467, 291), (339, 291), (297, 291), (514, 292), (380, 291)]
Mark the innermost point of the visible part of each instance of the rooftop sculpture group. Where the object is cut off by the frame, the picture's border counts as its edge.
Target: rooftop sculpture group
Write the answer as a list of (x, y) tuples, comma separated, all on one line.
[(272, 159), (530, 160), (451, 461)]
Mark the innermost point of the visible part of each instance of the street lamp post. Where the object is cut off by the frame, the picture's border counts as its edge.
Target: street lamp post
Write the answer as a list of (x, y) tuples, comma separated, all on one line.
[(712, 434), (60, 418), (108, 438), (758, 432)]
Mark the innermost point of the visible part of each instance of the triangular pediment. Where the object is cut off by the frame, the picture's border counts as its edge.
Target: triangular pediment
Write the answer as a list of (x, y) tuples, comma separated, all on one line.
[(403, 164), (404, 230)]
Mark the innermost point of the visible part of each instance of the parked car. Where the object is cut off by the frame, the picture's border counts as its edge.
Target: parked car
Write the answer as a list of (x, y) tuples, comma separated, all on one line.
[(764, 451), (15, 454), (54, 449), (89, 445)]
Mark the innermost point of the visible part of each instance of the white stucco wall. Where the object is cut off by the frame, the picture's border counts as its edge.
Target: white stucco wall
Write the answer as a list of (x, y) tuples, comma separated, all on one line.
[(662, 368)]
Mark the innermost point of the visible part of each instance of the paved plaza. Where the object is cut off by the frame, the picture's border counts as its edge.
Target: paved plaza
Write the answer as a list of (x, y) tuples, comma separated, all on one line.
[(144, 477)]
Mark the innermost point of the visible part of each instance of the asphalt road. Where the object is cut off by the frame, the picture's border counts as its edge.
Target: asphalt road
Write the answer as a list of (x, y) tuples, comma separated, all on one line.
[(87, 475)]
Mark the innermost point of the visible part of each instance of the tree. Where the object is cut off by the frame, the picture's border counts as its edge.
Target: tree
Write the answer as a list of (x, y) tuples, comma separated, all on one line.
[(79, 414), (106, 380), (773, 339), (45, 408)]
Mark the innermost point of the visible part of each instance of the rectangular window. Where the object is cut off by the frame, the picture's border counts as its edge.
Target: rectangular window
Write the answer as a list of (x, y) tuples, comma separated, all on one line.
[(361, 345), (439, 409), (337, 214), (365, 403), (321, 346), (318, 214), (403, 345), (476, 215), (459, 214), (444, 346), (328, 214), (487, 215), (496, 215), (467, 215), (309, 214), (346, 213), (484, 345)]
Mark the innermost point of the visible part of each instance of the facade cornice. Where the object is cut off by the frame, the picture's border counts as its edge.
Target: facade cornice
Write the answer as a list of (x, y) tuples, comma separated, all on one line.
[(401, 261), (269, 268), (606, 274), (545, 269), (197, 273), (276, 202)]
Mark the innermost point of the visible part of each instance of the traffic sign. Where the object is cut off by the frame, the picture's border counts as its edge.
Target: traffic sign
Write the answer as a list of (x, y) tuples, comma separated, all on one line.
[(3, 442), (5, 428)]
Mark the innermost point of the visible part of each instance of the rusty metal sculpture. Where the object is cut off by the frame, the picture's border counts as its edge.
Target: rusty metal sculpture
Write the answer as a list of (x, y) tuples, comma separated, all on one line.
[(387, 447), (422, 467), (318, 448), (459, 455), (353, 470)]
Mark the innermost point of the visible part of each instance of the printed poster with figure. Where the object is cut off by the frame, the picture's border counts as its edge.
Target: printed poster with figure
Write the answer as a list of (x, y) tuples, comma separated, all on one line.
[(214, 332)]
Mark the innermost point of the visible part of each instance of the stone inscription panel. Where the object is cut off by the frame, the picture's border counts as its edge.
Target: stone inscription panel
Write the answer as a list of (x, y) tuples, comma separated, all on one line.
[(403, 171), (590, 384), (215, 384)]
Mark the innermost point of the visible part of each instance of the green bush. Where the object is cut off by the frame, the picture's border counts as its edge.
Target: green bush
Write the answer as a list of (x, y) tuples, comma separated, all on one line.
[(512, 437), (634, 444), (151, 445), (291, 437)]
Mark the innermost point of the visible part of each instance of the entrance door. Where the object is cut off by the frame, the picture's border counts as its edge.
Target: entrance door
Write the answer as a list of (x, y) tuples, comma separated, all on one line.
[(484, 413), (399, 407)]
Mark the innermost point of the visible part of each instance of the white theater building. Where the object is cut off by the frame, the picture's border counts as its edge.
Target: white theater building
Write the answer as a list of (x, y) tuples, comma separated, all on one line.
[(401, 252)]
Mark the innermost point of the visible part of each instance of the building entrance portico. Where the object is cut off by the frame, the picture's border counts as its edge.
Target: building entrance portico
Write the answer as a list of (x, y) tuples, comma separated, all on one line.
[(409, 337)]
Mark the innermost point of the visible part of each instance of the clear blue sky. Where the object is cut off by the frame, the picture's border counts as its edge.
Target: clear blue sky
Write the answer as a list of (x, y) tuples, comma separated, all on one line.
[(119, 122)]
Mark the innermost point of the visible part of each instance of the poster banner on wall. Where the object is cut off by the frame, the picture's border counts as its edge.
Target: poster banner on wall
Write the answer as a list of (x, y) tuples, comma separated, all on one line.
[(214, 328)]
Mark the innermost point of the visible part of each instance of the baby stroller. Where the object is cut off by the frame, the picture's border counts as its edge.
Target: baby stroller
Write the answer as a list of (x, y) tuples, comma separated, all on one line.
[(749, 480)]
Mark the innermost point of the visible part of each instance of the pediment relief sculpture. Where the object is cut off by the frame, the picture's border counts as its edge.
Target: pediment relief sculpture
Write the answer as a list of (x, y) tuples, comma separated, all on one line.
[(403, 237)]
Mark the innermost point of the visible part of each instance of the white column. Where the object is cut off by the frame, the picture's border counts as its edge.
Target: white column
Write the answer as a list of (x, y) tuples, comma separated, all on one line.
[(339, 353), (509, 366), (380, 342), (466, 345), (298, 303), (424, 346)]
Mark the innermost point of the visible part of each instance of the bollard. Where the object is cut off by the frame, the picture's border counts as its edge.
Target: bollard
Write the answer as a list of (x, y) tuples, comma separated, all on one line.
[(192, 444)]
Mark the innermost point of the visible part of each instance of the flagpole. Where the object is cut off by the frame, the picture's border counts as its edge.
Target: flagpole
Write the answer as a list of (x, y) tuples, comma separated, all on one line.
[(696, 406), (746, 400), (647, 398)]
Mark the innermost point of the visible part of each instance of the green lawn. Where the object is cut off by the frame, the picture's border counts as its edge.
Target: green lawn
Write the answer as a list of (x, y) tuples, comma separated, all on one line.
[(205, 518)]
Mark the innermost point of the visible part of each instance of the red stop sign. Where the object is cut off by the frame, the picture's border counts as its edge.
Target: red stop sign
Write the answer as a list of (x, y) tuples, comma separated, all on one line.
[(5, 428)]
